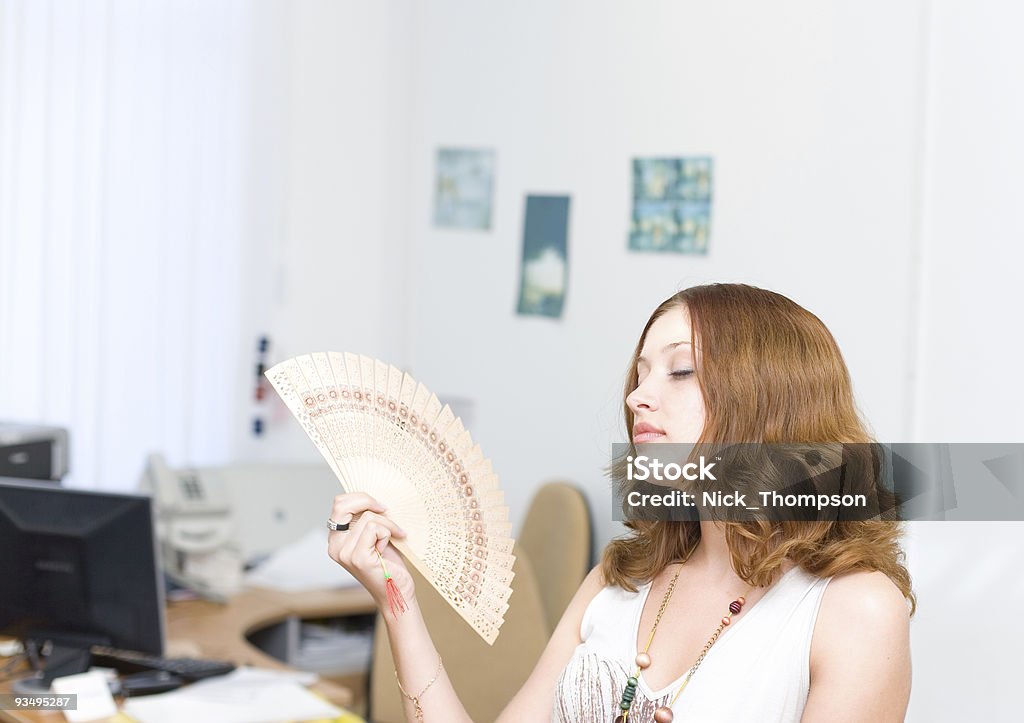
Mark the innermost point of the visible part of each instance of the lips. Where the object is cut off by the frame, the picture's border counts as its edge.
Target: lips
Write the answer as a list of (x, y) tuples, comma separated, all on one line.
[(644, 432)]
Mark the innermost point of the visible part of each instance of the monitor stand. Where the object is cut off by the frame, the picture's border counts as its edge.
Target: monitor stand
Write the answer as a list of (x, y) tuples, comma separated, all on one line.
[(69, 656)]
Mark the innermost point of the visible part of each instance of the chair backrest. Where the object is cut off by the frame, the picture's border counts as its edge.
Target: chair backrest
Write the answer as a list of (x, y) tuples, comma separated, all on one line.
[(556, 536), (484, 676)]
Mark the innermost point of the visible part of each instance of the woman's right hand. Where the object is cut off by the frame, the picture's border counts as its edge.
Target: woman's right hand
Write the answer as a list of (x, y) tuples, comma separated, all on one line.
[(356, 549)]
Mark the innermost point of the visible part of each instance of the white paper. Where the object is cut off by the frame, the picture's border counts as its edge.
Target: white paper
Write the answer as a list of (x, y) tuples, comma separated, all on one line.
[(94, 699), (301, 565), (10, 647), (247, 695), (247, 674)]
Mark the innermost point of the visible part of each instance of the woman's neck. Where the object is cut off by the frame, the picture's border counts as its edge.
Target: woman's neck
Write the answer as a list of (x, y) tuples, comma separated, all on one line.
[(711, 556)]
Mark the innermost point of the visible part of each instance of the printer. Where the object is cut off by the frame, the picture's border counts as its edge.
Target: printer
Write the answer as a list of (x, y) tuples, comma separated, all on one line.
[(29, 451)]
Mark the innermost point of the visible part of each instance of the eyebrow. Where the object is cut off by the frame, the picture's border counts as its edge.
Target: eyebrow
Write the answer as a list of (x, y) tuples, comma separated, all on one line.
[(667, 348)]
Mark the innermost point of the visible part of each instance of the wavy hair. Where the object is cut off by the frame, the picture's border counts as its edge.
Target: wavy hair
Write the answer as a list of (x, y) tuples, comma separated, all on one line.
[(770, 372)]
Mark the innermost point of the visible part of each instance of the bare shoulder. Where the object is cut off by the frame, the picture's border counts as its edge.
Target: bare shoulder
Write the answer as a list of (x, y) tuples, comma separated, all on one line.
[(863, 598), (861, 642), (861, 605), (862, 614), (592, 584), (568, 627), (594, 580)]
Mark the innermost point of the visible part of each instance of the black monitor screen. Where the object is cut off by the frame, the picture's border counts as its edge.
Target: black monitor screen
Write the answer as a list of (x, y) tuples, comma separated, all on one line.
[(79, 566)]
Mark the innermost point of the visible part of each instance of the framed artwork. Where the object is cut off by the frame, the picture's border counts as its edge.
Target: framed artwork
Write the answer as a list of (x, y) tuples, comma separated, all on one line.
[(465, 186), (544, 270), (671, 205)]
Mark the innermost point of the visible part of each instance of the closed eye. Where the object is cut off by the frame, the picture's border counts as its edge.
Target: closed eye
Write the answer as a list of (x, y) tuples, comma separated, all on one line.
[(680, 373)]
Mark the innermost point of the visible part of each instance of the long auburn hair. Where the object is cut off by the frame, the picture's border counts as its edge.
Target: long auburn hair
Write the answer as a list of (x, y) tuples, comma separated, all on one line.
[(769, 371)]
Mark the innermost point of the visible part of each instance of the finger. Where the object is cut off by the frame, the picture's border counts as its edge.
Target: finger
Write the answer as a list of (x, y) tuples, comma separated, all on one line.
[(382, 544), (371, 521), (341, 544), (372, 517), (336, 543), (363, 547), (392, 556), (353, 503)]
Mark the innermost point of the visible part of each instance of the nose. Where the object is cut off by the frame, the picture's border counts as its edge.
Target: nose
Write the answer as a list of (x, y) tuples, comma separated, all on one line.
[(641, 398)]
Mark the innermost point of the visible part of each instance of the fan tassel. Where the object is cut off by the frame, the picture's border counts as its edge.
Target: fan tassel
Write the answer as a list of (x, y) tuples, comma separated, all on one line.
[(395, 600)]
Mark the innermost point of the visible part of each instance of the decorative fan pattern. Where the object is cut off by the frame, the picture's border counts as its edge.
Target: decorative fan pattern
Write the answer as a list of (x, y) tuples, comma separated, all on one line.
[(384, 433)]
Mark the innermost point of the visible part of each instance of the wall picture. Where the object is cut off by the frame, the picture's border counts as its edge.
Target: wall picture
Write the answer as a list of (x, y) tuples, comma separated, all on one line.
[(671, 205), (465, 184), (545, 260)]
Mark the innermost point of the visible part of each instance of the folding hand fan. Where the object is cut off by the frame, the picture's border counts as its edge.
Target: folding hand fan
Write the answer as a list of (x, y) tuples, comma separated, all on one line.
[(384, 433)]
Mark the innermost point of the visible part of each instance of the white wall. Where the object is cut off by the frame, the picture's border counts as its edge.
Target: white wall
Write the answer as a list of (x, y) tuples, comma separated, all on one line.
[(969, 388), (967, 385), (331, 268), (811, 111)]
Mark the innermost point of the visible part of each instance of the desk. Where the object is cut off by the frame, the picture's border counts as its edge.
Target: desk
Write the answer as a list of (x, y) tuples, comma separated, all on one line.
[(198, 628)]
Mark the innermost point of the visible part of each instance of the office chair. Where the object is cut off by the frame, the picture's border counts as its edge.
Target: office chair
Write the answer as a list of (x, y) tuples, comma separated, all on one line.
[(556, 536)]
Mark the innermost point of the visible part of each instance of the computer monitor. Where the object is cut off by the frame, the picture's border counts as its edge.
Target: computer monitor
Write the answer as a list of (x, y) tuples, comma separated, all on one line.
[(79, 568)]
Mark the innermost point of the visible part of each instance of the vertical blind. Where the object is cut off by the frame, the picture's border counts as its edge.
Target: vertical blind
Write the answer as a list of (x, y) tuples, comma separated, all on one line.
[(122, 163)]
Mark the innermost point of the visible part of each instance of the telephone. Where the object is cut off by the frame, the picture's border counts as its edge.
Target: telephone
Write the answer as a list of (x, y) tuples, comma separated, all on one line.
[(195, 528), (211, 520)]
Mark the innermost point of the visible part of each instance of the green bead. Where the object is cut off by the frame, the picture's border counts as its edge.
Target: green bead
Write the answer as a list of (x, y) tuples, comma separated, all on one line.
[(624, 705), (631, 682), (628, 696)]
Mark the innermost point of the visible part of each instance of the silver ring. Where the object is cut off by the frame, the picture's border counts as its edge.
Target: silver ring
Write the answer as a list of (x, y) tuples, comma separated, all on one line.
[(336, 526)]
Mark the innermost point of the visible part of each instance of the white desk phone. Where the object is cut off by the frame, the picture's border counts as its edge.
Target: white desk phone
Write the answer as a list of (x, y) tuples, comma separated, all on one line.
[(213, 520)]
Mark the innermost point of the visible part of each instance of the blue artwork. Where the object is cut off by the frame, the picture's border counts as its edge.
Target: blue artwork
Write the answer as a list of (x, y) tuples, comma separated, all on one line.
[(545, 260), (671, 205), (465, 181)]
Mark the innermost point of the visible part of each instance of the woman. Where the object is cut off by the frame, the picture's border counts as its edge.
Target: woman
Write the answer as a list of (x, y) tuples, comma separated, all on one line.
[(708, 620)]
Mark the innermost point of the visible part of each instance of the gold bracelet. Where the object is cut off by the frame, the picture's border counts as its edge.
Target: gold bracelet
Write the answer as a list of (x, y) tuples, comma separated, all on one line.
[(416, 698)]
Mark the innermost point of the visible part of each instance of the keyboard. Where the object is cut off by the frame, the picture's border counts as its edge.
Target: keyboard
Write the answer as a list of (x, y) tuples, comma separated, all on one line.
[(130, 661)]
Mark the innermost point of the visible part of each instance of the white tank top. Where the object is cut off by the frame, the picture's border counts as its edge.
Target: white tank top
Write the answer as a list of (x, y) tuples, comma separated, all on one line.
[(758, 670)]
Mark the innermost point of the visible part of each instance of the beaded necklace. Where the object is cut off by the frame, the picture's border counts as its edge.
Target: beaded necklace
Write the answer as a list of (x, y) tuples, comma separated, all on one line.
[(643, 660)]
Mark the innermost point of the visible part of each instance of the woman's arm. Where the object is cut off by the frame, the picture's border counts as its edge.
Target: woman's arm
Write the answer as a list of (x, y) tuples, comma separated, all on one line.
[(416, 661), (416, 658), (860, 652)]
